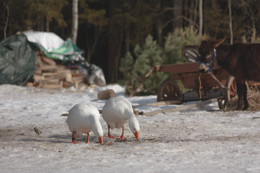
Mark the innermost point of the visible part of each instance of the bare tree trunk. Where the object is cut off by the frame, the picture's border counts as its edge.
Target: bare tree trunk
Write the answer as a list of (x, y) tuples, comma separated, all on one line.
[(252, 16), (159, 32), (195, 11), (7, 18), (201, 18), (74, 20), (159, 25), (177, 13), (127, 40), (91, 48), (114, 44), (230, 21), (47, 24), (253, 39)]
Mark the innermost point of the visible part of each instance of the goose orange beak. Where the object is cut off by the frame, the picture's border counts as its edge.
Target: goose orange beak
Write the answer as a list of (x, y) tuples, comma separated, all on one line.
[(100, 139), (136, 135)]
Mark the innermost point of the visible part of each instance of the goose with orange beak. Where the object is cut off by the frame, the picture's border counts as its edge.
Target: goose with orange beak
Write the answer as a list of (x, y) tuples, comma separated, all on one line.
[(116, 112), (84, 118)]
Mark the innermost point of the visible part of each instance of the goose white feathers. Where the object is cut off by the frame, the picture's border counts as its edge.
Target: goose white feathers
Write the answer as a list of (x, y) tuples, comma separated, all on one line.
[(84, 118), (116, 112)]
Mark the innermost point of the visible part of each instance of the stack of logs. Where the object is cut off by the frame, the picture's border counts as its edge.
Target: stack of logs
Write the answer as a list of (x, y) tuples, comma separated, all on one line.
[(49, 74)]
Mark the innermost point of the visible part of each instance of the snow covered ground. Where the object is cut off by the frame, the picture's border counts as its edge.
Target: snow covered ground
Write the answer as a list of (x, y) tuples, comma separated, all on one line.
[(194, 140)]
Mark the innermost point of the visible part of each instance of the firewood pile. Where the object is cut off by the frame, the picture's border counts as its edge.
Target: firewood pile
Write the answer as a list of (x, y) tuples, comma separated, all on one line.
[(51, 75)]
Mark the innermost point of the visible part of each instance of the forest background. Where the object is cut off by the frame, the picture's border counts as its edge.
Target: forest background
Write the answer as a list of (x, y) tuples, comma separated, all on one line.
[(127, 38)]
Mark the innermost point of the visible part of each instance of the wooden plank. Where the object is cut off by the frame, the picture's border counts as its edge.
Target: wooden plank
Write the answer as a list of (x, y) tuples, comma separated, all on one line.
[(62, 67), (38, 77), (51, 74), (181, 68), (67, 84), (48, 60), (168, 102), (181, 108), (60, 76), (38, 71), (68, 77), (78, 74), (161, 103), (61, 70), (48, 68), (78, 79), (51, 81)]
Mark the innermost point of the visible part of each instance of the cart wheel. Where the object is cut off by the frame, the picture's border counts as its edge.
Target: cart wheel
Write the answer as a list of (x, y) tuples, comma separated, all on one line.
[(169, 90)]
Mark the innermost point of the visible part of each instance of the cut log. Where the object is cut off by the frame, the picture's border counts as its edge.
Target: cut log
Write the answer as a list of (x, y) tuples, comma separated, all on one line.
[(38, 77), (106, 94), (68, 77), (51, 75), (67, 84)]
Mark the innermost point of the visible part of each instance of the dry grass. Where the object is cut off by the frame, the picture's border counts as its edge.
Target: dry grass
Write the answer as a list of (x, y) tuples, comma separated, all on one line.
[(253, 96)]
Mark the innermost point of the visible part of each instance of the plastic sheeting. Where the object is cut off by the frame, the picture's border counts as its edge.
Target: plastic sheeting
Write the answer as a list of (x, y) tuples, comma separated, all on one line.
[(54, 47), (18, 57), (47, 40), (17, 60), (93, 73)]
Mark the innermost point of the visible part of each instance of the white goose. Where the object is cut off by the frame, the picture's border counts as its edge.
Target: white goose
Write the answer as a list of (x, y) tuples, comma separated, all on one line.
[(84, 118), (116, 112)]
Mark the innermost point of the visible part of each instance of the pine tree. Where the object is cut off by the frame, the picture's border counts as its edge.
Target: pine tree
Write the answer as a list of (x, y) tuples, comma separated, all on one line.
[(137, 67), (138, 75), (175, 41)]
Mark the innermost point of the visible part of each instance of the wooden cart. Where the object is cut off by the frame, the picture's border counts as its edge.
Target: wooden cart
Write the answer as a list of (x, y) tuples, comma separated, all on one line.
[(195, 85)]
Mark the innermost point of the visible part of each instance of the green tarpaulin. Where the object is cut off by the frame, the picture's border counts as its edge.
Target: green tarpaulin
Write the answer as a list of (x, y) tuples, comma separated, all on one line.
[(17, 60)]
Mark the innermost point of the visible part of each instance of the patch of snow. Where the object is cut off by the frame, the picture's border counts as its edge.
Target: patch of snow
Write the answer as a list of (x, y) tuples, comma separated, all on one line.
[(193, 140)]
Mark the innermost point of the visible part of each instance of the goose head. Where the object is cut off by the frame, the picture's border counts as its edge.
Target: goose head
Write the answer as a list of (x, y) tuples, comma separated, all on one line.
[(134, 126), (97, 130)]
